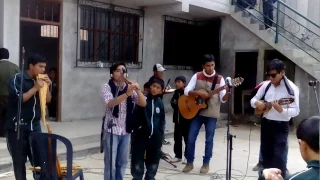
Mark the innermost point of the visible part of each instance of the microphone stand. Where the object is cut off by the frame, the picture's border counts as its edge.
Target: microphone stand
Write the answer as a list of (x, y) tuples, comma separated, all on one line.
[(19, 123), (229, 136), (111, 124), (313, 84)]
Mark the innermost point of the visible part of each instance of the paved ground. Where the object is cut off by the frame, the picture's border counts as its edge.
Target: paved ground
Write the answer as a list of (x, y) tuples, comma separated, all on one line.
[(245, 156)]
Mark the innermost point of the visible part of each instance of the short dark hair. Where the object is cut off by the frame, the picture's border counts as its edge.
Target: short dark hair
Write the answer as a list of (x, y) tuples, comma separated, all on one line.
[(157, 81), (114, 67), (53, 69), (146, 85), (4, 53), (208, 58), (35, 59), (308, 131), (277, 65)]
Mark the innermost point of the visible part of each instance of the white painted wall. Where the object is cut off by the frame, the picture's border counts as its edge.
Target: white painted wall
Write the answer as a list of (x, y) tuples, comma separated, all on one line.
[(10, 28)]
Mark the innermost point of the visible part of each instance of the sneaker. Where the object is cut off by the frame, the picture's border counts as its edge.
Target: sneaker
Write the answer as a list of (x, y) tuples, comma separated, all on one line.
[(258, 167), (188, 168), (184, 161), (204, 169), (175, 160)]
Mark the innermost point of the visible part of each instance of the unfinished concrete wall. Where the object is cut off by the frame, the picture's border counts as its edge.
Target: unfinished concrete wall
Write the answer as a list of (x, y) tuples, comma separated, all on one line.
[(235, 37), (308, 103), (81, 86)]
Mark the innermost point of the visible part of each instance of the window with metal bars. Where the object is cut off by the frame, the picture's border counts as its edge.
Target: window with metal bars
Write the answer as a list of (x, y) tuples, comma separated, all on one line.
[(108, 36)]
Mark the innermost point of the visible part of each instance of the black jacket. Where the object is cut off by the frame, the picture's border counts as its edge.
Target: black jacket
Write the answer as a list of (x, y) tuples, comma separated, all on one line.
[(177, 118), (150, 119), (30, 110)]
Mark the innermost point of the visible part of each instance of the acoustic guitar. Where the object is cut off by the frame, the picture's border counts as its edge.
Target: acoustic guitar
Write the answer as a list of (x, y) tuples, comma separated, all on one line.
[(268, 105), (189, 106)]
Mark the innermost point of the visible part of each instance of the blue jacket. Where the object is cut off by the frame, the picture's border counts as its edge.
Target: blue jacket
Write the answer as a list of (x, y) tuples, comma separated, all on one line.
[(151, 119), (30, 110)]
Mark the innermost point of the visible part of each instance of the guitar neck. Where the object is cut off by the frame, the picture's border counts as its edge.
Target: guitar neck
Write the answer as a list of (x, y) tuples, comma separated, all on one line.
[(218, 90)]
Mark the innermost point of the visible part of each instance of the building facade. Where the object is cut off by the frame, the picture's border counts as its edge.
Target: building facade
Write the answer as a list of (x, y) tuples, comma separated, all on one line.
[(83, 38)]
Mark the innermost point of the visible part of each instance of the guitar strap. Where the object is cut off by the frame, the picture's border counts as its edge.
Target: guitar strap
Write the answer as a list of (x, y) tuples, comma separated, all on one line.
[(214, 82), (265, 91)]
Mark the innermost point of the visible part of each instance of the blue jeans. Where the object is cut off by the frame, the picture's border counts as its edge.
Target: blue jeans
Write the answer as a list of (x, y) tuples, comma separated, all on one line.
[(120, 155), (285, 154), (196, 123)]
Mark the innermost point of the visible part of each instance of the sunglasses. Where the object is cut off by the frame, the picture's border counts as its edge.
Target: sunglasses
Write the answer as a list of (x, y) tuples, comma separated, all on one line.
[(272, 75)]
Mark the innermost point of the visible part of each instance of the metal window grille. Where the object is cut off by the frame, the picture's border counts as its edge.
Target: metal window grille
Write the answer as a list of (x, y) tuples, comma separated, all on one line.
[(40, 10), (50, 31), (107, 36)]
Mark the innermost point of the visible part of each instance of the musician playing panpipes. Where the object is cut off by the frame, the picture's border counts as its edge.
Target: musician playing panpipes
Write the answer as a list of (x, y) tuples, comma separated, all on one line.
[(122, 116), (208, 117), (275, 123), (30, 113)]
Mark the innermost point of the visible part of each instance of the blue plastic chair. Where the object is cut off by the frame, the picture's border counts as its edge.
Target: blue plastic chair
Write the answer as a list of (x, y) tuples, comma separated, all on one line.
[(47, 157)]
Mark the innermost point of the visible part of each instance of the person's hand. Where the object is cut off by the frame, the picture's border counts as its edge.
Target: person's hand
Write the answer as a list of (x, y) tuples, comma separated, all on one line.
[(260, 105), (131, 88), (135, 86), (277, 106), (272, 174), (38, 84), (203, 94), (47, 80)]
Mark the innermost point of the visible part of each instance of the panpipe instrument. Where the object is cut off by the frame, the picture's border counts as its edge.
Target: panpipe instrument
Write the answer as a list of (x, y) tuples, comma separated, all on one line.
[(61, 168), (128, 81)]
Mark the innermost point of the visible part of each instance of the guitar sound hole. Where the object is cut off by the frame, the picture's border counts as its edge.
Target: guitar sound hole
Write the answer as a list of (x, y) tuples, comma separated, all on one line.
[(199, 101)]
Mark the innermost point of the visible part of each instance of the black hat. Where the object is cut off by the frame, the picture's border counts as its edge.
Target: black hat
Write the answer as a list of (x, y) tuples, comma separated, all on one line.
[(181, 78), (158, 81)]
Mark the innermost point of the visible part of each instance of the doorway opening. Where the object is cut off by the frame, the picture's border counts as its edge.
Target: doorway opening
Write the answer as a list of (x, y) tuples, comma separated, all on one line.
[(245, 67), (40, 33)]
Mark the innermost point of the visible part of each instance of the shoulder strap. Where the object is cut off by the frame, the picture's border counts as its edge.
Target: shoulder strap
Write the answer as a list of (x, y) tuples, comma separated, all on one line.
[(214, 82), (265, 91)]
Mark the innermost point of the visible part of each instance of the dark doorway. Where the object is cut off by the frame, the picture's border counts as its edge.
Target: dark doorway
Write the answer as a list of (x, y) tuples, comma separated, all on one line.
[(246, 67), (40, 33), (269, 55), (185, 41), (44, 40)]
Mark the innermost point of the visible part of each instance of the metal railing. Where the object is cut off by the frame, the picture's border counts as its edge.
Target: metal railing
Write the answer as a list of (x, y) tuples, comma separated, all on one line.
[(299, 30)]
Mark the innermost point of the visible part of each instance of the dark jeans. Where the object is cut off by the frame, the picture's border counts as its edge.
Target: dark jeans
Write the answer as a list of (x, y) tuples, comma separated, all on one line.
[(274, 140), (285, 155), (196, 123), (268, 13), (142, 144), (20, 152), (181, 131), (3, 112)]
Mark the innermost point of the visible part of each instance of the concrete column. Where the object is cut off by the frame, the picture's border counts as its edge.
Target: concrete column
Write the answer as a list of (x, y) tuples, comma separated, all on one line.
[(260, 65), (10, 28)]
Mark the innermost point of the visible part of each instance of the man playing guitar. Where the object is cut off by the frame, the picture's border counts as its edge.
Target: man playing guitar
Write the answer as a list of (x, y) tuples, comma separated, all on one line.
[(206, 80), (275, 122)]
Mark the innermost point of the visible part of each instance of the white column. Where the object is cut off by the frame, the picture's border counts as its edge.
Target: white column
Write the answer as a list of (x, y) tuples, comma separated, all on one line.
[(10, 28)]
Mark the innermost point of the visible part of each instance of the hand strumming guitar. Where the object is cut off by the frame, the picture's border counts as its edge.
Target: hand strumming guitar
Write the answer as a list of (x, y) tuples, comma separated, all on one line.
[(203, 94), (260, 105), (277, 106)]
